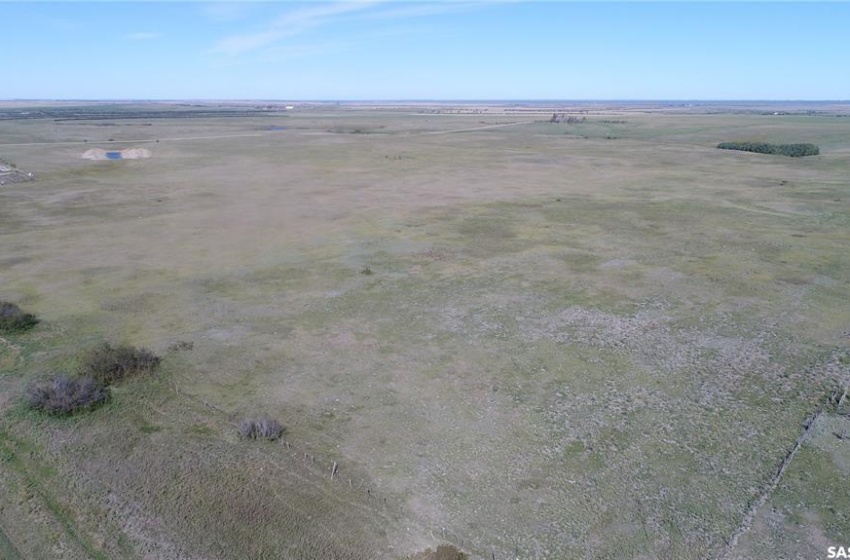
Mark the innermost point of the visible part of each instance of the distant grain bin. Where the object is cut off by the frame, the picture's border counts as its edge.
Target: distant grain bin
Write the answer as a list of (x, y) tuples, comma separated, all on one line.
[(99, 154)]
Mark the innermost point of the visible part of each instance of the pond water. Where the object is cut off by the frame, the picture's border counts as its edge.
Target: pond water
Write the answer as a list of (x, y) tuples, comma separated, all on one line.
[(113, 155)]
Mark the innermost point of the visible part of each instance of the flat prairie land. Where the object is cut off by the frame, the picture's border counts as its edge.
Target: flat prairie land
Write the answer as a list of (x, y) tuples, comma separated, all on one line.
[(601, 339)]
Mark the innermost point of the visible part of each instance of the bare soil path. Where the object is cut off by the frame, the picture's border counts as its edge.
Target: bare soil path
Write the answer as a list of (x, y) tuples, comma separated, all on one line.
[(472, 129)]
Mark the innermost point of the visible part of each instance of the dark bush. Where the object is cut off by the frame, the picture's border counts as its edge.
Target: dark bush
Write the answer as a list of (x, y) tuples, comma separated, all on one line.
[(108, 364), (181, 345), (66, 395), (443, 552), (13, 319), (448, 552), (791, 150), (564, 118), (260, 428)]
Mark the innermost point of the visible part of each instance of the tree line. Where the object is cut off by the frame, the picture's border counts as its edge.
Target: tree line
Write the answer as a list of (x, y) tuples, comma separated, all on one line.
[(791, 150)]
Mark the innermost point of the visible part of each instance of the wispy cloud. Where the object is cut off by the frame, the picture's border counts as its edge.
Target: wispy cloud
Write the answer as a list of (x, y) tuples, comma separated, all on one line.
[(289, 24), (143, 36), (405, 10), (226, 11), (299, 21), (239, 44)]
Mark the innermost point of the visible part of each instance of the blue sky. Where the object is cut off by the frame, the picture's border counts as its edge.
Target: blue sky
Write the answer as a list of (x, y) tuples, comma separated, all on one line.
[(389, 49)]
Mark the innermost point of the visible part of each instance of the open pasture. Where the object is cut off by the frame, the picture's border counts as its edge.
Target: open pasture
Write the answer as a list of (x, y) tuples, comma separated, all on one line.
[(598, 339)]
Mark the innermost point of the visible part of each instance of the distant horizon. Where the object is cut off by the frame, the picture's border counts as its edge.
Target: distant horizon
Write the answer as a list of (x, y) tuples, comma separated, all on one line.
[(419, 100)]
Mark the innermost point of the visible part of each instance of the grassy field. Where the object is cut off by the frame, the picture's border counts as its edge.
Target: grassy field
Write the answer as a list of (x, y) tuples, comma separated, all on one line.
[(530, 340)]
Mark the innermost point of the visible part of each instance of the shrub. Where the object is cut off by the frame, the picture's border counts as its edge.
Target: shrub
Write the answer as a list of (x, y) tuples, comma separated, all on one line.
[(181, 345), (107, 364), (448, 552), (443, 552), (564, 118), (66, 395), (13, 319), (260, 428), (247, 428), (791, 150)]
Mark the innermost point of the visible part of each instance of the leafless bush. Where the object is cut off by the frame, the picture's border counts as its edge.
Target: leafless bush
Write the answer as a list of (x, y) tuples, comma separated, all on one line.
[(260, 428), (66, 395), (247, 428), (107, 364)]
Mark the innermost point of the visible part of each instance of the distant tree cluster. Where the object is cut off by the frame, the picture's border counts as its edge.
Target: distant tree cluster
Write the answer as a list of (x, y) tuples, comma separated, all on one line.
[(564, 118), (791, 150)]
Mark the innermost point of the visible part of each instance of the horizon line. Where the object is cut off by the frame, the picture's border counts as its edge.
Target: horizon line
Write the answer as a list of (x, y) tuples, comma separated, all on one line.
[(424, 100)]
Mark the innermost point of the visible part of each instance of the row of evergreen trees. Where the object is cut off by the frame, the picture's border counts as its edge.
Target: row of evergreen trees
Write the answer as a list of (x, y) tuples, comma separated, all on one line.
[(792, 150)]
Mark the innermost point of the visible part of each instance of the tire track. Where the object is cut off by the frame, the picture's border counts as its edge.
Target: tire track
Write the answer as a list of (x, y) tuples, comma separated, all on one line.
[(757, 504)]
